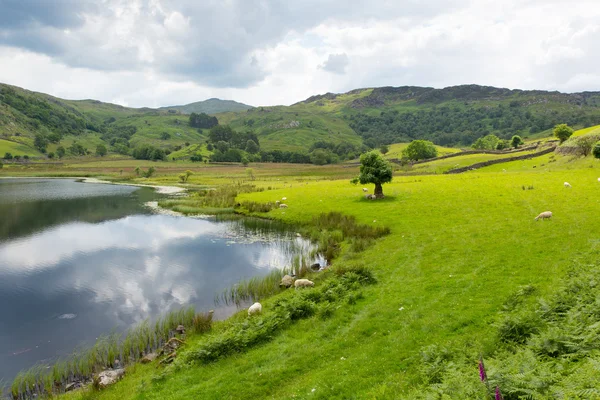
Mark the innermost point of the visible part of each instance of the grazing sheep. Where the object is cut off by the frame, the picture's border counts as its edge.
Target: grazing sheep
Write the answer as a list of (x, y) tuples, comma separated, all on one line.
[(544, 215), (287, 281), (283, 205), (598, 179), (301, 283), (567, 185), (277, 202), (284, 198), (255, 308), (365, 190)]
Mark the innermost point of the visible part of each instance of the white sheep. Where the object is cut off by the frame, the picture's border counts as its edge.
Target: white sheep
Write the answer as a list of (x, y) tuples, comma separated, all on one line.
[(277, 202), (567, 185), (301, 283), (255, 308), (598, 179), (365, 190), (544, 215), (283, 205), (284, 198)]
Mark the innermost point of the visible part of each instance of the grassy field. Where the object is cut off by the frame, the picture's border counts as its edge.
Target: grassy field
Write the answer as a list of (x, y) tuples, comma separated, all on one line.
[(460, 246), (15, 148)]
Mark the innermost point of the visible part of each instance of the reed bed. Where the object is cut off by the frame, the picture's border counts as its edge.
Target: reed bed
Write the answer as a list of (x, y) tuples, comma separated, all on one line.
[(110, 351), (258, 288)]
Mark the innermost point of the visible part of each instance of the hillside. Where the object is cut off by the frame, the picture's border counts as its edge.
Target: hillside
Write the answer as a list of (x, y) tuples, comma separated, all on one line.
[(341, 124), (210, 106)]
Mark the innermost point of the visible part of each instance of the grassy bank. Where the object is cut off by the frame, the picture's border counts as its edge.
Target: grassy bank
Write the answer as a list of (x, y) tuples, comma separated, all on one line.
[(460, 247)]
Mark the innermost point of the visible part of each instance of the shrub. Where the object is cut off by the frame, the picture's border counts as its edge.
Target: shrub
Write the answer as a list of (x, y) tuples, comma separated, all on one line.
[(596, 150), (516, 141), (419, 150), (562, 132), (517, 328)]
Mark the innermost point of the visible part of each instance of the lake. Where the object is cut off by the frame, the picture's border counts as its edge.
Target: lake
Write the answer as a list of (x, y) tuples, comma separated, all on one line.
[(78, 260)]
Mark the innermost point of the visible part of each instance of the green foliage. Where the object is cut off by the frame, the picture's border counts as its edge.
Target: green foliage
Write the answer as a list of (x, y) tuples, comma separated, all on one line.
[(503, 144), (562, 132), (516, 141), (596, 150), (375, 169), (77, 149), (196, 157), (420, 150), (148, 153), (165, 136), (8, 156), (101, 150), (183, 178), (488, 142), (60, 151), (40, 142), (202, 121), (148, 173), (384, 149), (252, 147)]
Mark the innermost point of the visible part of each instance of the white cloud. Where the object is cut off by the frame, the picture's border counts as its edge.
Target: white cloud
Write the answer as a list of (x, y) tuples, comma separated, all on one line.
[(160, 52)]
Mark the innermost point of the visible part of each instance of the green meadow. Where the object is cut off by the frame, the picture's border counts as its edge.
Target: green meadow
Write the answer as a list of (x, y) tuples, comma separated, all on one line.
[(460, 248), (465, 272)]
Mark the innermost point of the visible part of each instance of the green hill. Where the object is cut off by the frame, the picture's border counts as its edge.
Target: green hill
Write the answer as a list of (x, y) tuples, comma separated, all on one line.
[(453, 116), (210, 106)]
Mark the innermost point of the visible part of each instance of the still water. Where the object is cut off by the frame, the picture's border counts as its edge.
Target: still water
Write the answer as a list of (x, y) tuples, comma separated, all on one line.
[(78, 260)]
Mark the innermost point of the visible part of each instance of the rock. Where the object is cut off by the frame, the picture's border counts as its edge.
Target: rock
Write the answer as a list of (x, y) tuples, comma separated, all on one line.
[(72, 386), (148, 358), (180, 329), (315, 267), (107, 378), (287, 281)]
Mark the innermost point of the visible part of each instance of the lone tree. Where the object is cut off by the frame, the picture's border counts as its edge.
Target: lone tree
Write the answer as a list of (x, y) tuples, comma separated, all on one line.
[(375, 169), (516, 141), (563, 132), (384, 149)]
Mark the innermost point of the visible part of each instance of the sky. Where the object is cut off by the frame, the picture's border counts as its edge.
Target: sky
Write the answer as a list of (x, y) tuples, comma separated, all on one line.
[(151, 53)]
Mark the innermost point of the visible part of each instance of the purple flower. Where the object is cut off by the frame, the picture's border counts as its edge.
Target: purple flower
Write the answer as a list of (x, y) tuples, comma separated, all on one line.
[(482, 374), (498, 394)]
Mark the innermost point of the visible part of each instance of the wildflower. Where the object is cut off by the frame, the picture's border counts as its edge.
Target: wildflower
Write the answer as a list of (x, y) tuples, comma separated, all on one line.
[(482, 374), (498, 394)]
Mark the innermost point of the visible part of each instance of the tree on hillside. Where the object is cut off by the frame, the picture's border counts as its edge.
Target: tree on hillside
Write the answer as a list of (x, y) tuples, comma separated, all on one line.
[(375, 169), (8, 156), (585, 144), (502, 144), (419, 150), (165, 136), (252, 147), (596, 150), (40, 142), (202, 121), (516, 141), (220, 133), (384, 149), (488, 142), (101, 150), (563, 132), (60, 151)]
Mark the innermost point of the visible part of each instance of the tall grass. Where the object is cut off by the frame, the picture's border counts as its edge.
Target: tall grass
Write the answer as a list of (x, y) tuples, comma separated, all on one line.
[(210, 201), (109, 351), (260, 287)]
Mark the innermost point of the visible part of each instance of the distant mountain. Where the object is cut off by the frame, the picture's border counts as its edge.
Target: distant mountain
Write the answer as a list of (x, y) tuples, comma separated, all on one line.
[(210, 106)]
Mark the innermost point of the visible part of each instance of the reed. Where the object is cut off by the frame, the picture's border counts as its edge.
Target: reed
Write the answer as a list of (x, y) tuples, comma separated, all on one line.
[(109, 351)]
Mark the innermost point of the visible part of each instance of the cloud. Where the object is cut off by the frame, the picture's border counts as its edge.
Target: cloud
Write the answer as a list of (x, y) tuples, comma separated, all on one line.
[(263, 52), (336, 63)]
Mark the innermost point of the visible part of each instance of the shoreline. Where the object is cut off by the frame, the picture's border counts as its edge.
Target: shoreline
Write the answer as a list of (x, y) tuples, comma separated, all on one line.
[(159, 188)]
